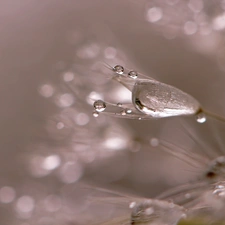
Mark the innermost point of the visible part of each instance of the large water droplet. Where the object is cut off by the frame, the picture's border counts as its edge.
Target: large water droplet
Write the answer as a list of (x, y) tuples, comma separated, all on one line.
[(99, 105), (161, 100), (133, 74), (201, 117), (118, 69)]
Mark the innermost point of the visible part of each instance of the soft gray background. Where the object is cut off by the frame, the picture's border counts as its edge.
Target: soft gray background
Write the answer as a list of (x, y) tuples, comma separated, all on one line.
[(36, 37)]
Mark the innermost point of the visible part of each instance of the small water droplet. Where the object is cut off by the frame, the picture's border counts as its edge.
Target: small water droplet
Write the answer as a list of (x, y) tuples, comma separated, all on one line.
[(123, 113), (118, 69), (95, 114), (139, 118), (119, 104), (99, 105), (201, 117), (128, 111), (133, 74)]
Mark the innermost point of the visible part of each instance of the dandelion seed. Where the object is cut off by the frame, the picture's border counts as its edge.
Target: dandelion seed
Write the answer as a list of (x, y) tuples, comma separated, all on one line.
[(152, 99)]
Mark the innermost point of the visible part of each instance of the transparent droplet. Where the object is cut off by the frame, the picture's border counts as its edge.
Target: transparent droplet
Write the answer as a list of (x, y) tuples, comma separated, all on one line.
[(201, 117), (118, 69), (123, 113), (119, 104), (99, 105), (133, 74), (128, 111), (95, 114), (162, 100)]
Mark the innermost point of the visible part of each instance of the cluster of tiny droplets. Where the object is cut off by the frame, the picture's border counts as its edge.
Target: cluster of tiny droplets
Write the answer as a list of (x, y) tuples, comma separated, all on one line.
[(100, 105)]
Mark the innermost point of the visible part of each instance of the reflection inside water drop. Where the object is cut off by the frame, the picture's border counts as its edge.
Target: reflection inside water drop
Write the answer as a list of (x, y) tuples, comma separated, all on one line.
[(133, 74), (201, 117), (118, 69), (99, 105)]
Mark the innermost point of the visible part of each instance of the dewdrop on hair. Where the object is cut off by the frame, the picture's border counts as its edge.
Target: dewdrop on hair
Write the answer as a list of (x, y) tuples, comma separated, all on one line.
[(152, 99)]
